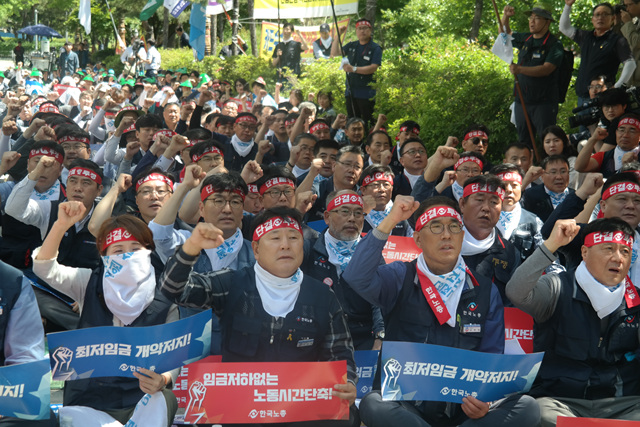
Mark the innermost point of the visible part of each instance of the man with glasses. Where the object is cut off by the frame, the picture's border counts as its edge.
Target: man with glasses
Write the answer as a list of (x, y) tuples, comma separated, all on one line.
[(476, 139), (301, 154), (543, 199), (631, 31), (609, 162), (76, 145), (539, 56), (602, 50), (400, 290), (413, 161), (327, 256), (346, 173)]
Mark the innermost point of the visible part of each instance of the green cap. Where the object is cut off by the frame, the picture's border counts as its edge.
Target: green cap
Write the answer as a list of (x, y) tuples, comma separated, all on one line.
[(130, 82), (182, 70), (88, 79), (148, 80), (204, 79), (186, 83), (36, 73), (1, 74), (81, 72)]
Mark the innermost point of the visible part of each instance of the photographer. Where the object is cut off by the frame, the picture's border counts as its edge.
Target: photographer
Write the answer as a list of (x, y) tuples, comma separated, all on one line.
[(631, 31), (132, 54)]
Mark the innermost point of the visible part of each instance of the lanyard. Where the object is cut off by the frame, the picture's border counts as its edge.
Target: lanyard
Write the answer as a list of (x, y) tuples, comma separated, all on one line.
[(434, 300)]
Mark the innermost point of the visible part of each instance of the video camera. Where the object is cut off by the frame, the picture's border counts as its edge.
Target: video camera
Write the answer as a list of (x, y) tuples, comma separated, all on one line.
[(590, 117), (136, 46)]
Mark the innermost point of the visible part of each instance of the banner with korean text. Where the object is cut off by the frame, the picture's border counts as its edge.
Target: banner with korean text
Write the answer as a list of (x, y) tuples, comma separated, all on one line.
[(24, 390), (269, 36), (296, 9), (117, 352), (400, 248), (518, 325), (281, 392), (366, 367), (413, 371)]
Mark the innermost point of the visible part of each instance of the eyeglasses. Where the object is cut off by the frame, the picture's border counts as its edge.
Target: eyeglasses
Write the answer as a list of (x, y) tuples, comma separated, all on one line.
[(74, 147), (148, 191), (235, 203), (438, 228), (211, 158), (415, 152), (385, 185), (477, 141), (276, 194), (533, 17), (623, 130), (601, 15), (246, 126), (352, 166), (467, 171), (596, 87), (346, 213)]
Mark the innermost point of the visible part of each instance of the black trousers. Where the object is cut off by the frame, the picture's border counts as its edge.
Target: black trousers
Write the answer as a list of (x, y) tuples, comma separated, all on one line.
[(362, 108)]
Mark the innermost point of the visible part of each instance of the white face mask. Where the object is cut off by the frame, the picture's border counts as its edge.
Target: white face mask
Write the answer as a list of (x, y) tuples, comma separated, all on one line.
[(129, 284)]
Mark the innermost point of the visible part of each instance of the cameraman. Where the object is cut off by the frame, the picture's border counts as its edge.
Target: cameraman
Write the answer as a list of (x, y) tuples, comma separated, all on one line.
[(631, 31), (588, 113), (132, 55)]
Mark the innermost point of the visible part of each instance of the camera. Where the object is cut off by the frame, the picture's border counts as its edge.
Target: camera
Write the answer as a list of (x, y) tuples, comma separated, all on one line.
[(136, 46), (590, 116), (619, 8)]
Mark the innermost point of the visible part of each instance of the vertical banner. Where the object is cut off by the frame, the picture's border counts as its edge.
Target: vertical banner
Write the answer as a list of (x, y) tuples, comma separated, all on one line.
[(518, 325), (414, 371), (266, 392), (216, 7), (367, 365), (176, 7), (113, 351), (296, 9), (25, 390), (269, 37)]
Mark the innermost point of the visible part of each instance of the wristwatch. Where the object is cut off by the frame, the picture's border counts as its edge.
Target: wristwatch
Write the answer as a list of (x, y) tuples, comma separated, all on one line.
[(380, 335), (355, 69)]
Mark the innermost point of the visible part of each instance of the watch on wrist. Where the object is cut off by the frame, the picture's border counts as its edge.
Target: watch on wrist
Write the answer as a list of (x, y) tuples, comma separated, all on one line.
[(355, 69), (380, 335)]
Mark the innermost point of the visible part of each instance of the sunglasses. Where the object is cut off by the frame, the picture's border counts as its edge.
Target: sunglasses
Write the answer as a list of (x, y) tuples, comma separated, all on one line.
[(477, 141)]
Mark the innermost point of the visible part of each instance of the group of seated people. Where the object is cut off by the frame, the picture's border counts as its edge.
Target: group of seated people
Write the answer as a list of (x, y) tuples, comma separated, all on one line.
[(268, 216)]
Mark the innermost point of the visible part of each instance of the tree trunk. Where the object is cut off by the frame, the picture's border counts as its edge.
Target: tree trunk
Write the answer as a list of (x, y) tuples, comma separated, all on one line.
[(252, 29), (165, 28), (221, 21), (234, 28), (214, 35), (370, 10), (475, 24)]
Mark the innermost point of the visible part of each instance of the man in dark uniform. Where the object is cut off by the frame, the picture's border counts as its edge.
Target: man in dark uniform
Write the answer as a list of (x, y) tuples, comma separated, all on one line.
[(287, 52), (361, 59), (540, 55)]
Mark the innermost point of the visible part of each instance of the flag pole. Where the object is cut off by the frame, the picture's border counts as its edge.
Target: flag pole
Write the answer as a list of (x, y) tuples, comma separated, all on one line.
[(347, 84), (519, 92)]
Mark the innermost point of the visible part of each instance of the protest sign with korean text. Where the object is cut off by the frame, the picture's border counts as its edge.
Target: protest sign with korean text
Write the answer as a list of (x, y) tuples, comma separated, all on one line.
[(269, 37), (117, 351), (366, 367), (24, 390), (414, 371), (265, 392), (518, 325), (400, 248), (296, 9)]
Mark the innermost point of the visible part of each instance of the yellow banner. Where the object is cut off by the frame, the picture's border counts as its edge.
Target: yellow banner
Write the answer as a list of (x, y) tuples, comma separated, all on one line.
[(269, 37), (295, 9)]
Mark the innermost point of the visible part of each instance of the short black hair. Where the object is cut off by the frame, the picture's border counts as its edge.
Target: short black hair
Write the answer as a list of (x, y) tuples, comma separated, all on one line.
[(211, 117), (47, 143), (373, 169), (198, 134), (477, 126), (608, 225), (226, 182), (326, 143), (276, 211), (606, 4), (202, 146), (378, 132), (224, 120), (617, 178), (287, 24), (409, 141), (491, 181), (506, 167), (148, 171), (568, 150), (613, 96), (149, 121), (354, 120), (274, 171), (302, 136), (554, 158), (518, 145), (87, 164)]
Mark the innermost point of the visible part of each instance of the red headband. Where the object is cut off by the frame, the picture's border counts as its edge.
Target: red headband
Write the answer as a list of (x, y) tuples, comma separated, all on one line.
[(629, 121), (164, 132), (276, 181), (209, 190), (476, 134), (510, 176), (476, 188), (70, 138), (246, 119), (85, 173), (317, 127), (363, 23), (378, 176), (275, 223), (345, 199), (437, 212), (253, 188), (212, 149), (414, 130), (473, 159), (622, 187), (289, 122), (48, 108), (128, 108), (43, 151), (118, 235), (154, 177), (597, 238)]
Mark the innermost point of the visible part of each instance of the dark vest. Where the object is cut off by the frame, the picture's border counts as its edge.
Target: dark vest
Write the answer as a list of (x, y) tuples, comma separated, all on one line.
[(9, 294), (233, 160), (587, 358), (20, 239), (538, 90), (358, 311), (247, 335), (326, 51), (77, 248), (400, 229), (608, 167), (110, 393)]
